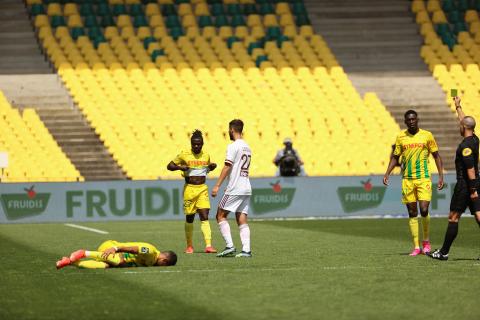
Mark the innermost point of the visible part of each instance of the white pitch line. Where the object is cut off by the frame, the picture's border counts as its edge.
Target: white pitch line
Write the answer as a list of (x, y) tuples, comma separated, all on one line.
[(85, 228)]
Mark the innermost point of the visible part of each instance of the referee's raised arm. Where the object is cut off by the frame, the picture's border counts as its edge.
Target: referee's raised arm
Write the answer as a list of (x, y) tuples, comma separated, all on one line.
[(458, 107)]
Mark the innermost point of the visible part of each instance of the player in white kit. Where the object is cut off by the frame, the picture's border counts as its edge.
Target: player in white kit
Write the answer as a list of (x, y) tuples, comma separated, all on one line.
[(237, 194)]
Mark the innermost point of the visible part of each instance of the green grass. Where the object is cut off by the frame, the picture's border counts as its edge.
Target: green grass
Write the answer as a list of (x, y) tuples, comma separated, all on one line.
[(344, 269)]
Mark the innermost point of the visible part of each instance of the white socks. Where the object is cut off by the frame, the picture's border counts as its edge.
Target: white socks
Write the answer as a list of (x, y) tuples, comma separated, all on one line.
[(245, 237), (225, 231)]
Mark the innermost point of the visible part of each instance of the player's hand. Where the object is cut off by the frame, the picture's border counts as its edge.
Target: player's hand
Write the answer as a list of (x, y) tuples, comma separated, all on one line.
[(440, 184), (457, 101), (184, 168), (385, 180), (215, 191), (108, 252), (212, 166), (474, 196)]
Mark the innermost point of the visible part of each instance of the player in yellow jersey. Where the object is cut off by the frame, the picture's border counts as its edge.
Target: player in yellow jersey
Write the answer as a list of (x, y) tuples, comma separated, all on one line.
[(195, 165), (116, 254), (415, 145)]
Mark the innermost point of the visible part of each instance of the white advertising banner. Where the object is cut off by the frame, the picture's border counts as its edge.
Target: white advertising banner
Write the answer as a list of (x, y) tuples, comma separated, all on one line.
[(155, 200)]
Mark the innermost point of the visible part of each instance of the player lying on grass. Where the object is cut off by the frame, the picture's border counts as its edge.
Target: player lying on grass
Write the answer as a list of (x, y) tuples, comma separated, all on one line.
[(114, 254)]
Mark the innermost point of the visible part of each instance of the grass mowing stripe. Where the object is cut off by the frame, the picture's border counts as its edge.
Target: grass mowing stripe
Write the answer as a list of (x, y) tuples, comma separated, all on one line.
[(71, 225)]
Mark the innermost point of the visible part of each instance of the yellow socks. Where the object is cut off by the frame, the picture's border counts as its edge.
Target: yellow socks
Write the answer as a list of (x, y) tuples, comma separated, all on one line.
[(207, 232), (426, 227), (413, 223), (189, 233), (91, 264), (113, 259)]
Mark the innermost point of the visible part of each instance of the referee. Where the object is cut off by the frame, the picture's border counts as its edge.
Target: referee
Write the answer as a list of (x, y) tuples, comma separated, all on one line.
[(466, 190)]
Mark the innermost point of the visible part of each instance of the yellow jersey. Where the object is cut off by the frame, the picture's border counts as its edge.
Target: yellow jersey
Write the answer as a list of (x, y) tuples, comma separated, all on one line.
[(198, 163), (147, 254), (415, 150)]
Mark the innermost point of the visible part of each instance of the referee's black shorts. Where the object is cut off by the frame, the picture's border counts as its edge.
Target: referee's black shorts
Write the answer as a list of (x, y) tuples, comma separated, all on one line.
[(461, 199)]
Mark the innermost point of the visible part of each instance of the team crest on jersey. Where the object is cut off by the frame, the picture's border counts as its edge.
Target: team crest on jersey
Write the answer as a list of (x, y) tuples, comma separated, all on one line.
[(144, 250), (466, 152)]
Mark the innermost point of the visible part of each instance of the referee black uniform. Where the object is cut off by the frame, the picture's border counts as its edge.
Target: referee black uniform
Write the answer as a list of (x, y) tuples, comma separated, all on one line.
[(466, 157)]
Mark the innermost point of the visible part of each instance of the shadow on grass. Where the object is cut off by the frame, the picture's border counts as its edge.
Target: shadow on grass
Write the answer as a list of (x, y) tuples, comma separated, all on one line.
[(34, 289)]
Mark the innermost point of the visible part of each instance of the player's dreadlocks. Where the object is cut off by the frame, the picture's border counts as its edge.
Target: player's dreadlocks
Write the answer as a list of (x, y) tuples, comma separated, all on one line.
[(197, 134)]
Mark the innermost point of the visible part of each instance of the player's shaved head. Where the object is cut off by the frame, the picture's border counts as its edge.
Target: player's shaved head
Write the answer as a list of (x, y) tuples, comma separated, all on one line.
[(469, 123), (170, 258), (409, 112)]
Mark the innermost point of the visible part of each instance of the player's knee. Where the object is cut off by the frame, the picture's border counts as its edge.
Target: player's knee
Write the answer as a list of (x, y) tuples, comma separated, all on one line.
[(453, 217), (190, 218), (424, 212)]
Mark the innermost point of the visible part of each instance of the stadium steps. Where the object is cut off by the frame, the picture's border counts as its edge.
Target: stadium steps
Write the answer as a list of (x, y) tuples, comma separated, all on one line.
[(378, 44), (51, 100), (80, 142), (19, 50)]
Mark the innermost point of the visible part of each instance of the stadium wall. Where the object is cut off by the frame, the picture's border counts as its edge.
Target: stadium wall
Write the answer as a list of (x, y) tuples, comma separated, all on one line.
[(162, 200)]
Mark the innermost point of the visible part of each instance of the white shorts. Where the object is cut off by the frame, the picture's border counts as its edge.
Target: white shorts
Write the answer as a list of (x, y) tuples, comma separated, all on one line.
[(235, 203)]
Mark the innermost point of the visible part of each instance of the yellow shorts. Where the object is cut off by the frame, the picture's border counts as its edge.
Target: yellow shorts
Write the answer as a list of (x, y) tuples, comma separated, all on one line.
[(107, 244), (195, 197), (414, 190)]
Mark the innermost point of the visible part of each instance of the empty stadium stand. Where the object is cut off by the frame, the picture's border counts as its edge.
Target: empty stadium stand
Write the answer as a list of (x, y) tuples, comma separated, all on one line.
[(19, 50), (378, 43), (33, 154), (146, 73)]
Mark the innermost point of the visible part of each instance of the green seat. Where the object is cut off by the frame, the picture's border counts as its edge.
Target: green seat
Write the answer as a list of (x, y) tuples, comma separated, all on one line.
[(221, 21), (107, 20), (234, 9), (302, 20), (266, 8), (103, 9), (77, 32), (136, 9), (169, 10), (181, 1), (231, 40), (140, 21), (443, 29), (173, 22), (238, 20), (477, 5), (260, 59), (459, 27), (254, 45), (281, 39), (37, 9), (157, 53), (456, 16), (149, 1), (299, 9), (249, 8), (148, 40), (273, 33), (448, 5), (94, 33), (214, 1), (205, 21), (90, 21), (119, 9), (463, 5), (86, 9), (57, 21), (176, 32), (449, 41), (98, 40), (217, 9)]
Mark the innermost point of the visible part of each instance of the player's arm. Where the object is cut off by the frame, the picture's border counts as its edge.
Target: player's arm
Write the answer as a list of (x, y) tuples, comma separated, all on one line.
[(460, 113), (172, 166), (223, 175), (391, 165), (113, 250), (439, 164)]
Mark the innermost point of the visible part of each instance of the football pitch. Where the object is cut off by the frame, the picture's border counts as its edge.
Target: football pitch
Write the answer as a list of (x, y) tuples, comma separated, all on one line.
[(335, 269)]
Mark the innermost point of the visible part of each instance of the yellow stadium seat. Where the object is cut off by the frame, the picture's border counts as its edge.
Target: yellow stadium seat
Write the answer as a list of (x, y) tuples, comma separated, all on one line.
[(74, 21), (418, 5), (439, 17), (54, 9), (422, 17), (254, 20), (184, 9), (41, 20), (433, 5), (152, 9), (123, 21), (201, 9)]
